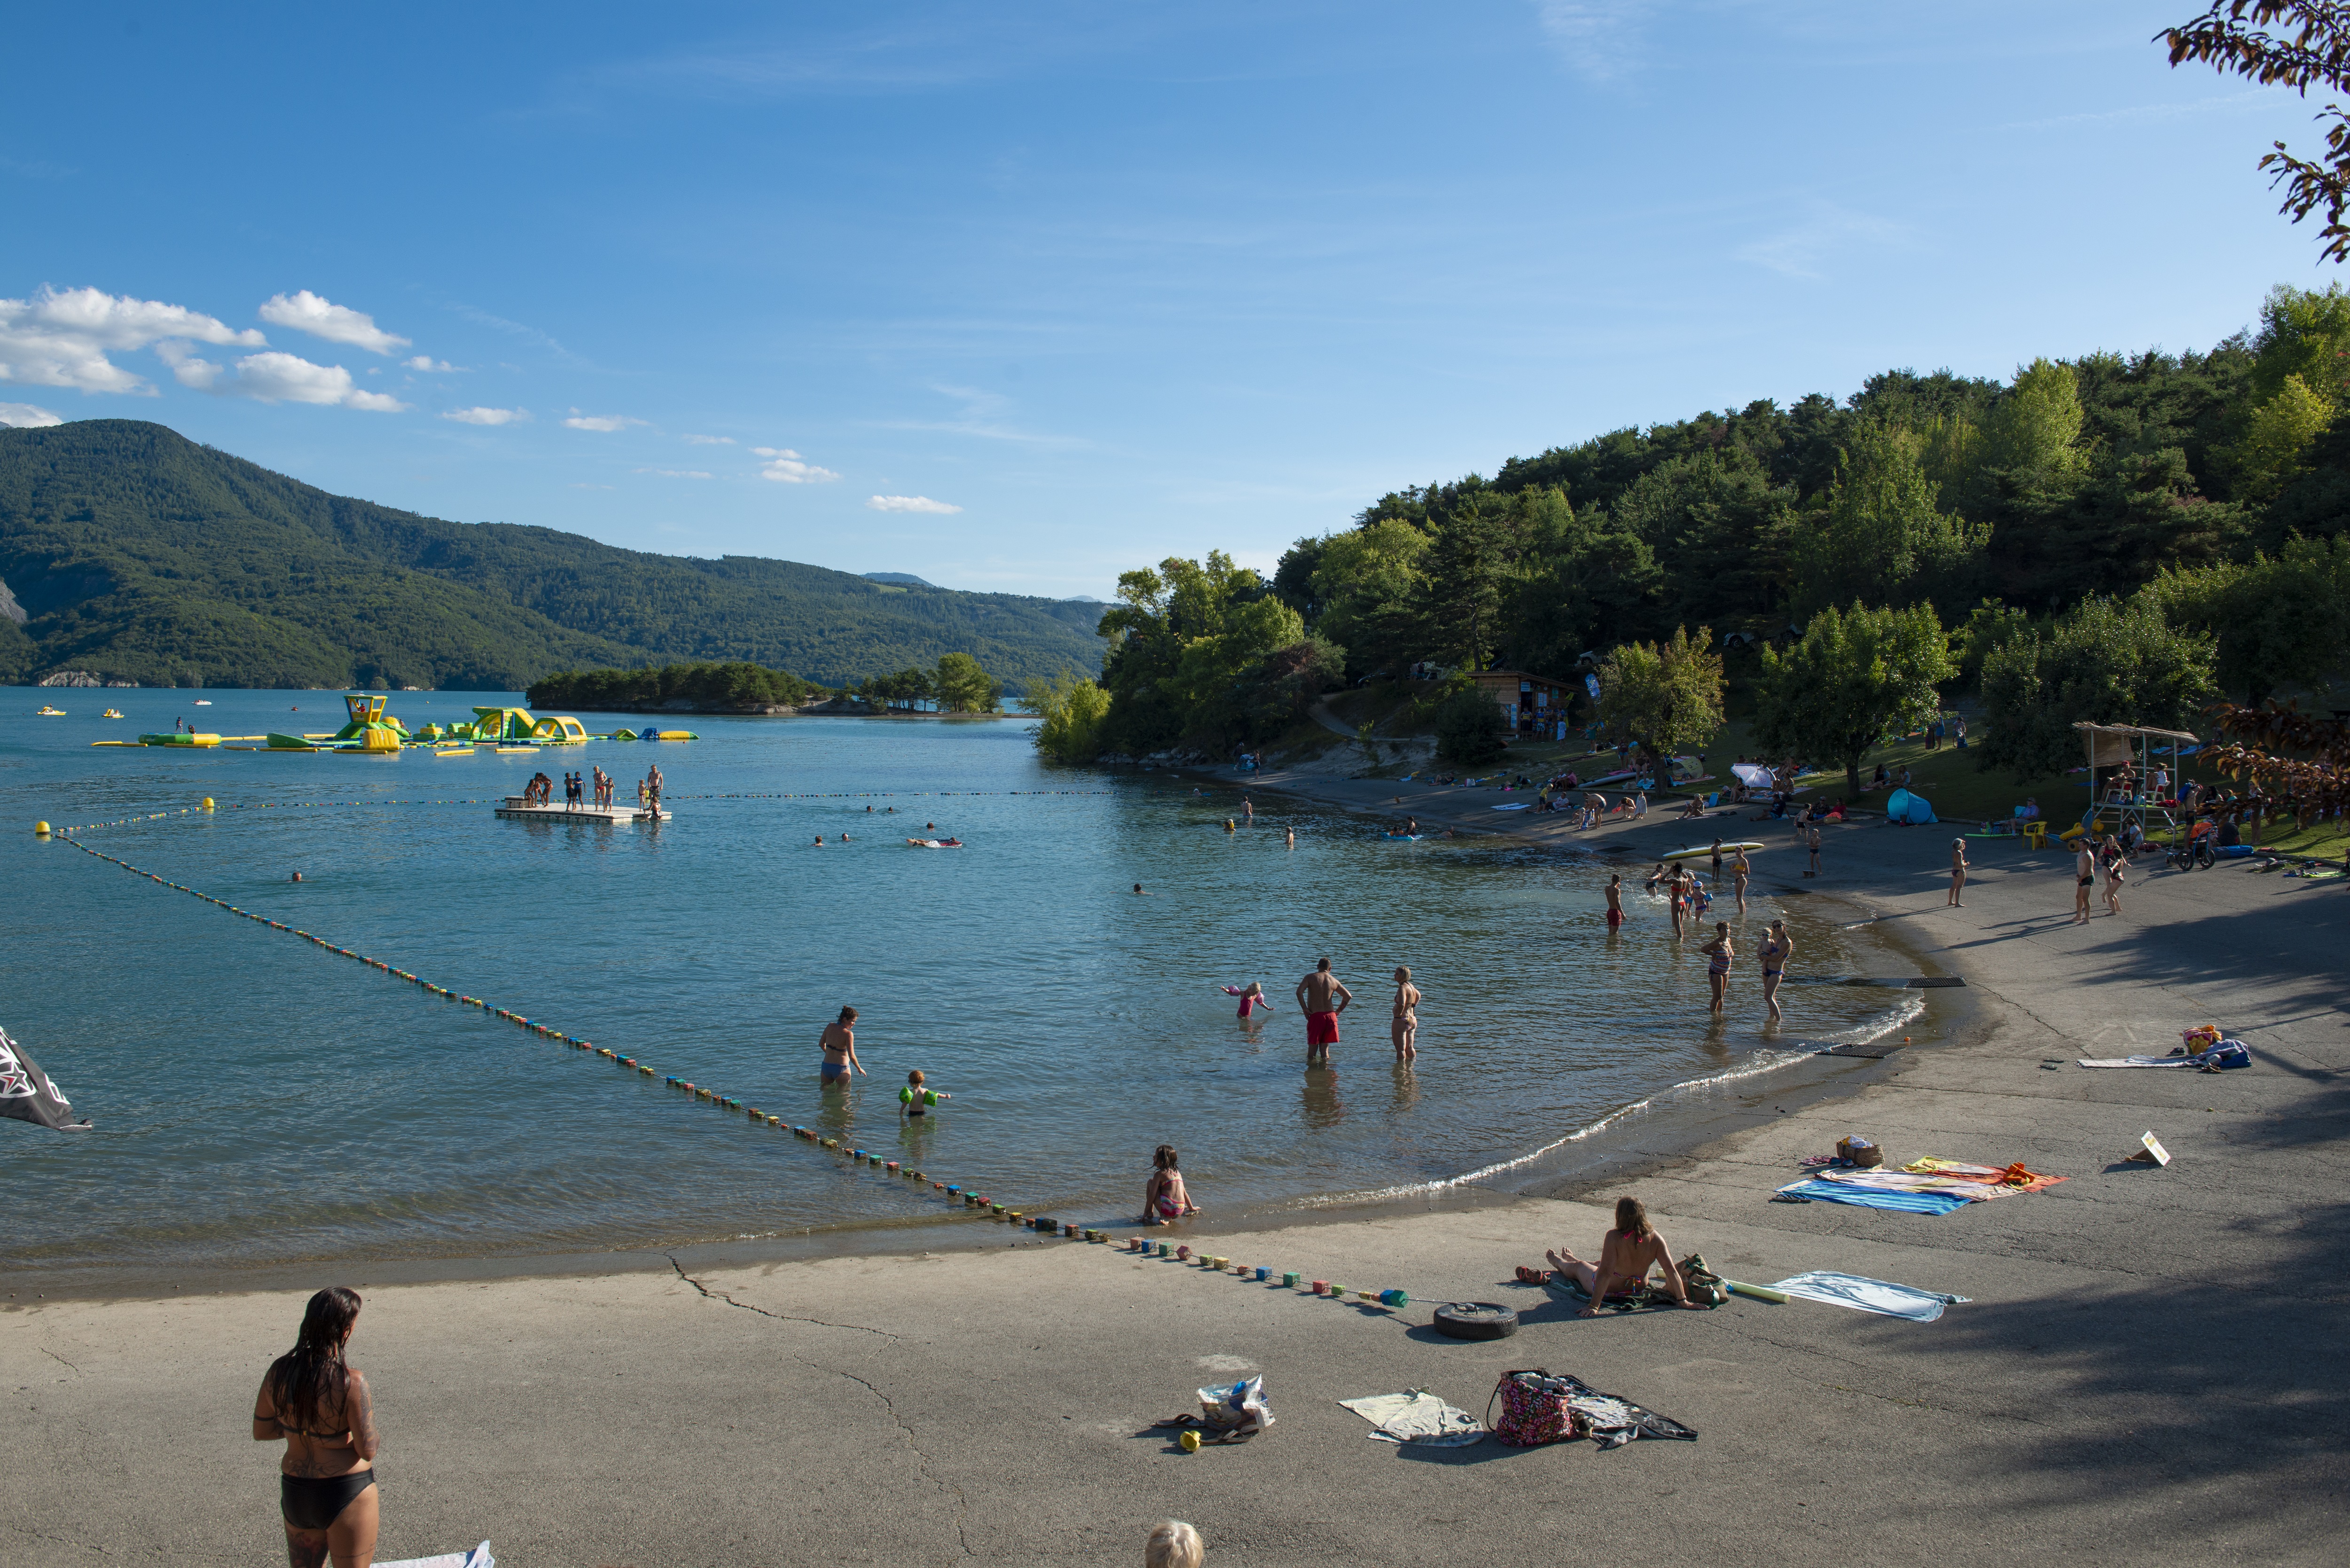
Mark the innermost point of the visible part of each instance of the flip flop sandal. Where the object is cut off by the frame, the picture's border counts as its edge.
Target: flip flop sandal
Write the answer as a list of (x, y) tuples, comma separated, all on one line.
[(1532, 1276)]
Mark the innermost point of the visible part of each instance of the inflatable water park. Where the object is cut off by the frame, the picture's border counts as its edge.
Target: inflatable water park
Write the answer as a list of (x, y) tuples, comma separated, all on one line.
[(372, 732)]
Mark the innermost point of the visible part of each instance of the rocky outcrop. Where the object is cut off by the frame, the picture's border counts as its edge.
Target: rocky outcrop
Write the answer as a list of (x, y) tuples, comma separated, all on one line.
[(71, 678), (10, 608)]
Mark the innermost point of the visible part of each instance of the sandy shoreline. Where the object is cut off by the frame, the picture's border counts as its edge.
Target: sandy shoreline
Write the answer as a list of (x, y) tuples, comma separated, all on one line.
[(2114, 1388)]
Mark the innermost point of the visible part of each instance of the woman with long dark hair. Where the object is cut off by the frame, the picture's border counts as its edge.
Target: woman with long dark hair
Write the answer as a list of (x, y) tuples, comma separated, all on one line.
[(319, 1403)]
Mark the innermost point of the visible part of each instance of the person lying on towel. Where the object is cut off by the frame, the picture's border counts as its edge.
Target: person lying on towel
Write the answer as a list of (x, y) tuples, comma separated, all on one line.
[(1625, 1255)]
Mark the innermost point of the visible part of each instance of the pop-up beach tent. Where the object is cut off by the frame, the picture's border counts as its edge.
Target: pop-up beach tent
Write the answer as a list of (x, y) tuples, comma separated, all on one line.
[(1914, 809)]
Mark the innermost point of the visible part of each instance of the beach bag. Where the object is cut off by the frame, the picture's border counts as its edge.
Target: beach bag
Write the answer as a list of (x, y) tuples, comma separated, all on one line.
[(2225, 1055), (1533, 1409), (1704, 1287), (1228, 1415), (1858, 1150)]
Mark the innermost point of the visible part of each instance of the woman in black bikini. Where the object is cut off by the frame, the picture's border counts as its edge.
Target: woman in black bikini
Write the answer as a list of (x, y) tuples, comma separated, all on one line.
[(1777, 949), (319, 1403)]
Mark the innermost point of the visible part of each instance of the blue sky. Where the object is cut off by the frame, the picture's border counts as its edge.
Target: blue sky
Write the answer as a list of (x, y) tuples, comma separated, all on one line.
[(1017, 296)]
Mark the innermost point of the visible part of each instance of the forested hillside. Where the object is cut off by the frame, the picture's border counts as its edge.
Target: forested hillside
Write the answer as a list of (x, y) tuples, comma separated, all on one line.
[(139, 554), (2119, 536)]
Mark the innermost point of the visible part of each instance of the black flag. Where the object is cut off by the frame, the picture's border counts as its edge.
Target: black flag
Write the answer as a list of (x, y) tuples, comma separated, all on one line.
[(26, 1094)]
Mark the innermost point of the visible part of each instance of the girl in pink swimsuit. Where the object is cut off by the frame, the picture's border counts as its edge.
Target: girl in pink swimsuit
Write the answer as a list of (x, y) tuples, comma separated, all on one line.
[(1252, 998)]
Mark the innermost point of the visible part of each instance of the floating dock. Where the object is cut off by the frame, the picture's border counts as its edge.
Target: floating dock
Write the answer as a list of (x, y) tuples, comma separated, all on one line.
[(520, 810)]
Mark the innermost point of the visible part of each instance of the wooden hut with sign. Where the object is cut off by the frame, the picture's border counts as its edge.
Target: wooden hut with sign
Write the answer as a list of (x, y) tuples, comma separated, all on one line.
[(1532, 705)]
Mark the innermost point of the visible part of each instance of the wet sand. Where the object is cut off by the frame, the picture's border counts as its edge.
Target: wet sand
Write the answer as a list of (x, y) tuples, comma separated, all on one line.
[(2149, 1362)]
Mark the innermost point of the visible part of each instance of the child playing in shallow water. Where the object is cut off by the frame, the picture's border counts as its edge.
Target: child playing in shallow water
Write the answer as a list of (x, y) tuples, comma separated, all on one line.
[(915, 1099), (1165, 1199), (1251, 997)]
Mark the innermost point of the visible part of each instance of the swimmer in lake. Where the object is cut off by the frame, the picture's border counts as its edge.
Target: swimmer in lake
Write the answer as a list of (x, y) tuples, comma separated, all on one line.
[(1292, 838), (1719, 953), (1323, 998), (1253, 998), (1777, 950), (1139, 892), (1615, 891)]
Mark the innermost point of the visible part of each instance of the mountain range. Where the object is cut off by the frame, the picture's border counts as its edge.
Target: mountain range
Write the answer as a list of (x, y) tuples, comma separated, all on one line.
[(132, 552)]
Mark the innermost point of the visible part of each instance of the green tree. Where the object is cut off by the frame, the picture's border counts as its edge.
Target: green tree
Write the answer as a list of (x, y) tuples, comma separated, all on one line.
[(1853, 676), (1368, 584), (1070, 710), (1469, 570), (2279, 620), (964, 688), (1880, 537), (1470, 726), (1665, 696), (2279, 432), (2108, 661), (2303, 332), (2032, 440)]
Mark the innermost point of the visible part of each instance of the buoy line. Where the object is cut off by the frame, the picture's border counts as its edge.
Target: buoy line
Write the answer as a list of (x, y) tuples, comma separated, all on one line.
[(959, 1194), (499, 800)]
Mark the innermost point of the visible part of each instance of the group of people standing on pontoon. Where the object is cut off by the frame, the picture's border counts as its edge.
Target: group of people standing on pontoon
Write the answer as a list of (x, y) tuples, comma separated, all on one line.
[(580, 790)]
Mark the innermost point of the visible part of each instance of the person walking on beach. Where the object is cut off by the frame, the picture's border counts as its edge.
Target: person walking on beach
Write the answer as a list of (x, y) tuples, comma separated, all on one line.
[(1719, 953), (1812, 843), (1717, 862), (1323, 998), (1292, 838), (319, 1405), (1677, 888), (2085, 874), (1615, 891), (1958, 869), (1403, 1028), (839, 1043), (1778, 947), (2116, 868), (1739, 869)]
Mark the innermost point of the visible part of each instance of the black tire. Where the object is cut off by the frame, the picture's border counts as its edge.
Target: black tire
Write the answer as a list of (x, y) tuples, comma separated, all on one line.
[(1476, 1319)]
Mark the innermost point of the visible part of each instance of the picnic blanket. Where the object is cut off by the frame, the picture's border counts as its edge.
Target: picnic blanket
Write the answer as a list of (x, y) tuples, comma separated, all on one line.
[(2225, 1055), (1929, 1186), (1416, 1416), (1865, 1294)]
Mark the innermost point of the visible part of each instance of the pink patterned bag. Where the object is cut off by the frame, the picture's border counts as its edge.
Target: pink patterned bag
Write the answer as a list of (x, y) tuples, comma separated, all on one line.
[(1533, 1409)]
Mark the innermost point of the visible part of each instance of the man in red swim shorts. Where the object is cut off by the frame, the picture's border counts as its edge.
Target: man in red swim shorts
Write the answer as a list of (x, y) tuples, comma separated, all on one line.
[(1323, 999), (1615, 901)]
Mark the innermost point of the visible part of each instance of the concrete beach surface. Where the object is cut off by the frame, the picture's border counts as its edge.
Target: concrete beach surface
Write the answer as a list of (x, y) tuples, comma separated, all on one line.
[(2150, 1362)]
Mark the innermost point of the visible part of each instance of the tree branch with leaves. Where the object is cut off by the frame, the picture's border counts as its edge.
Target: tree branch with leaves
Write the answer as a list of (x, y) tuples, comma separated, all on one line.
[(2298, 44)]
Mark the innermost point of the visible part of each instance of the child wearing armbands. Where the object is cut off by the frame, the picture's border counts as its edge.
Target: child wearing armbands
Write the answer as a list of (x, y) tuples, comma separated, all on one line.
[(914, 1100)]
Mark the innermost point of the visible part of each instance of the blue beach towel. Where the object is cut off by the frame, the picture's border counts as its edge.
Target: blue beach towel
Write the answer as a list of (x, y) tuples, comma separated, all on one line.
[(1876, 1198)]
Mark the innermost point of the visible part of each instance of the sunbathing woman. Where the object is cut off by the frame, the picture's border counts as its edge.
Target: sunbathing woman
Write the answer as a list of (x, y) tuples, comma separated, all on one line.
[(1625, 1255)]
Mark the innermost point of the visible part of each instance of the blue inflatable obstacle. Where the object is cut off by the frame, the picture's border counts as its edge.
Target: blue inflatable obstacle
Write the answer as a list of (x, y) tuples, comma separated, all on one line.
[(1913, 809)]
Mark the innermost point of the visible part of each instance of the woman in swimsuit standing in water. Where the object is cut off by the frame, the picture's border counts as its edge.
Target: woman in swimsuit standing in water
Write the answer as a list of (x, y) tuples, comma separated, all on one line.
[(1718, 953), (1404, 1026), (319, 1405), (839, 1043), (1777, 949)]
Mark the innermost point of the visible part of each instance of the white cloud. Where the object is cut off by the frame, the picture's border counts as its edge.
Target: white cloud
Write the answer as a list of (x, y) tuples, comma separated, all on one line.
[(583, 484), (1593, 37), (276, 378), (307, 312), (427, 362), (488, 416), (785, 466), (909, 503), (579, 421), (675, 472), (709, 440), (1830, 234), (62, 337), (25, 416)]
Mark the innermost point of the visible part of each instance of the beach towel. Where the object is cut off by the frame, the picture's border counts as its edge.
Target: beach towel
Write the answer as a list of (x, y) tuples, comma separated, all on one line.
[(478, 1557), (1875, 1198), (1864, 1294), (1417, 1416), (2226, 1053)]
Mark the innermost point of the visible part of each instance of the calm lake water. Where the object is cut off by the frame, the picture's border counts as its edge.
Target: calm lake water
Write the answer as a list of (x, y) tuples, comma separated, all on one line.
[(258, 1100)]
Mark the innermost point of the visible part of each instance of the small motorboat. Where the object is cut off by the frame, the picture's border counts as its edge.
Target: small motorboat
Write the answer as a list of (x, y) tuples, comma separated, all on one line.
[(203, 702), (45, 711)]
